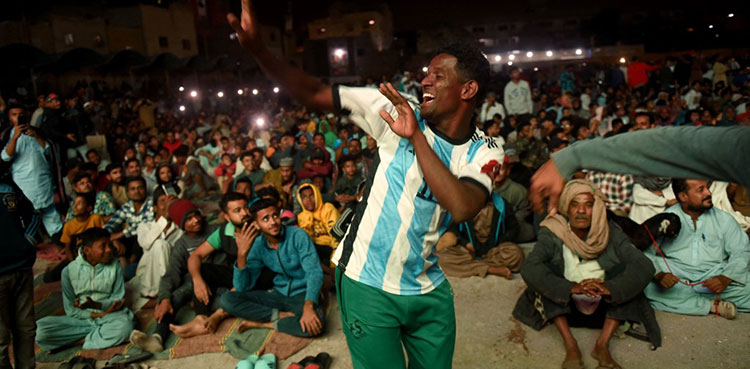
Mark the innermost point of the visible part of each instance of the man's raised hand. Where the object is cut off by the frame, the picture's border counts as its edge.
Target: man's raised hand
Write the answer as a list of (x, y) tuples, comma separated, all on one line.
[(405, 125), (248, 33)]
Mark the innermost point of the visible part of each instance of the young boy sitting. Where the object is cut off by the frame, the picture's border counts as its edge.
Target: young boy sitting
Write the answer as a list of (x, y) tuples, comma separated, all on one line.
[(347, 185), (317, 219), (292, 305), (93, 297)]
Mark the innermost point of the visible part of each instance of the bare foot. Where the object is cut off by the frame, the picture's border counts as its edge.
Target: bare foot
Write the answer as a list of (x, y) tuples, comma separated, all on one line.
[(249, 324), (285, 314), (196, 327), (572, 359), (500, 271), (602, 355), (213, 321)]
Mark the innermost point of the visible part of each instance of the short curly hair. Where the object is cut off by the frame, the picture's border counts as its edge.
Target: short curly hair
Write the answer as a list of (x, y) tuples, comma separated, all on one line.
[(471, 64)]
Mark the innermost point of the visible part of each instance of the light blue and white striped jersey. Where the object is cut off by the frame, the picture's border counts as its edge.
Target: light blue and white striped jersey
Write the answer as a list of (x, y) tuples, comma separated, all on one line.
[(391, 240)]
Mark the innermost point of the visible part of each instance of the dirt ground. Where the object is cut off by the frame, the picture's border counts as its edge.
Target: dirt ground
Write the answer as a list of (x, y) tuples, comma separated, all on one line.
[(488, 337)]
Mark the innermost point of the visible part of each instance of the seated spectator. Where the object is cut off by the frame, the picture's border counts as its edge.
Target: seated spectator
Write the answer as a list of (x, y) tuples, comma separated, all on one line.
[(531, 150), (482, 246), (124, 224), (516, 197), (347, 184), (93, 290), (165, 178), (193, 180), (584, 271), (651, 196), (317, 219), (156, 238), (319, 142), (720, 198), (251, 161), (176, 287), (93, 157), (245, 187), (287, 216), (225, 172), (710, 250), (317, 165), (133, 169), (292, 305), (81, 220), (116, 185), (104, 204), (284, 180), (211, 280)]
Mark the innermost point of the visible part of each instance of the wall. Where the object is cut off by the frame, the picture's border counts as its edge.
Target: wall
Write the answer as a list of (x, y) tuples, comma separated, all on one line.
[(176, 24)]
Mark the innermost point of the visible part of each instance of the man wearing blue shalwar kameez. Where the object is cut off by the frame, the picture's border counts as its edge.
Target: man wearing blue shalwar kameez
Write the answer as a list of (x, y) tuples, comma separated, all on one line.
[(711, 248)]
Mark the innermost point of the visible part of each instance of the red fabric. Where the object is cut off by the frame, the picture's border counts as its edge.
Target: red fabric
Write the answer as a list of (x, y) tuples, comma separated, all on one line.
[(637, 75), (179, 209), (311, 170), (172, 146)]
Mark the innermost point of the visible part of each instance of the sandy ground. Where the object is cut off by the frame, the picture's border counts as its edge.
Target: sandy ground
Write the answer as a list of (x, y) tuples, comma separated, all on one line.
[(488, 337)]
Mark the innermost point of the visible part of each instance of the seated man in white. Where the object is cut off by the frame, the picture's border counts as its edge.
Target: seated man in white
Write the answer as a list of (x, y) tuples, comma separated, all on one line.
[(708, 259)]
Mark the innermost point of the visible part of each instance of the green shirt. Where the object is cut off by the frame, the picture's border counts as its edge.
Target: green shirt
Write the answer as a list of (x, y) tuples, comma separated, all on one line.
[(215, 238)]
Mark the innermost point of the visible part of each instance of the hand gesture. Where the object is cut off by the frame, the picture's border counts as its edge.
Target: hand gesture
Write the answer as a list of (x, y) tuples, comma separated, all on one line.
[(245, 237), (201, 291), (248, 33), (89, 304), (717, 284), (309, 321), (164, 308), (406, 124), (547, 183), (20, 129), (667, 280)]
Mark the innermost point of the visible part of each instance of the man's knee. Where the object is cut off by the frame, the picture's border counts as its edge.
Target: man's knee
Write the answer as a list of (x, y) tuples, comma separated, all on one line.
[(229, 300)]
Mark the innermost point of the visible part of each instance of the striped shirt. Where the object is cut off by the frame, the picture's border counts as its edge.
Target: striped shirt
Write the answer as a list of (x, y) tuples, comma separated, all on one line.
[(390, 242)]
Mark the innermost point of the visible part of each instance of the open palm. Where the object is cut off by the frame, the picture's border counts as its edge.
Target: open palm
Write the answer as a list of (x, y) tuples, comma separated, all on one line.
[(405, 125), (247, 33)]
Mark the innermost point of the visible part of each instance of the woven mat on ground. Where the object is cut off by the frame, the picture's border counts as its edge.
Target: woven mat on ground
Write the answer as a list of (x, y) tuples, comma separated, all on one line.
[(48, 301)]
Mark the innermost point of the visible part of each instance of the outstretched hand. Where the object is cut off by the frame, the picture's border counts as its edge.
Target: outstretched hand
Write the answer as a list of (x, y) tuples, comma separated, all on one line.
[(405, 125), (248, 33), (547, 183)]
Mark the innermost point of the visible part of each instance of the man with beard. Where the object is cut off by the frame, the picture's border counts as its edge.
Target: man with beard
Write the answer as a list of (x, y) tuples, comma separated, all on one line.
[(210, 280), (292, 305), (705, 269), (284, 180), (116, 184), (124, 224)]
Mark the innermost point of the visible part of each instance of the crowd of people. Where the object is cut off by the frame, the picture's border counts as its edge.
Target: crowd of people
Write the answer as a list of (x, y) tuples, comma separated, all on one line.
[(215, 209)]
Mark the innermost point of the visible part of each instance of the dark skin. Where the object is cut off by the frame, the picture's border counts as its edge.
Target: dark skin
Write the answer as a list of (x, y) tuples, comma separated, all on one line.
[(694, 201), (268, 222), (579, 216), (450, 108), (98, 252)]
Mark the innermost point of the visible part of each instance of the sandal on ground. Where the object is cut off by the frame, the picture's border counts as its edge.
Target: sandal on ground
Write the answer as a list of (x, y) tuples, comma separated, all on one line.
[(724, 309)]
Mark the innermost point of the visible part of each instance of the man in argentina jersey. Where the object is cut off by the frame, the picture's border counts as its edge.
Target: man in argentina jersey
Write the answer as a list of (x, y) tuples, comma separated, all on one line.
[(432, 166)]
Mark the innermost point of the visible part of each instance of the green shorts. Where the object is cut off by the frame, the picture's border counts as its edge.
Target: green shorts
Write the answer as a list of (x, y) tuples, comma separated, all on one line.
[(376, 324)]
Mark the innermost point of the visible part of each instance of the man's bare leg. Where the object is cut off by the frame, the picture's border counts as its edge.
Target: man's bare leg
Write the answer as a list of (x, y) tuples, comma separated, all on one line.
[(601, 349), (248, 324), (572, 353), (500, 271), (195, 327), (213, 321)]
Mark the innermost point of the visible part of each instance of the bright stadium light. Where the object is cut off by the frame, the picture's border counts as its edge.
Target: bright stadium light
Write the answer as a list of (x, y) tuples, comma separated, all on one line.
[(260, 122), (339, 53), (710, 26), (220, 94), (371, 22), (276, 90), (194, 93), (730, 15), (529, 54), (182, 107), (240, 92), (510, 62), (498, 58), (181, 88), (579, 51), (424, 69), (512, 57), (536, 69), (622, 60), (549, 53), (255, 91)]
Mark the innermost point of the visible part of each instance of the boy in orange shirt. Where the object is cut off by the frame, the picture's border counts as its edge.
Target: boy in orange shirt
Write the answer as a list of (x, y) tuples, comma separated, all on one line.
[(82, 220)]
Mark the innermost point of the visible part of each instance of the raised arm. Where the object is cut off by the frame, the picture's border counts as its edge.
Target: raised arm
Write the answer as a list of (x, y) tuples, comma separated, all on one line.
[(307, 90)]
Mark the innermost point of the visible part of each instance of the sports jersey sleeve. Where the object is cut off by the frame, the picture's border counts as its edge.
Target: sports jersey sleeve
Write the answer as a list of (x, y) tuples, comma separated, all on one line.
[(365, 103), (483, 166)]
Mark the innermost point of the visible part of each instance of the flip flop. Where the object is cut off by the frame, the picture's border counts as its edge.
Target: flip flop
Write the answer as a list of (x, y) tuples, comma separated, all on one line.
[(247, 363), (267, 361), (324, 360)]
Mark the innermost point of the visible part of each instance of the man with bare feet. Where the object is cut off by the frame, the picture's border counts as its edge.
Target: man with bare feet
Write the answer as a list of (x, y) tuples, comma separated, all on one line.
[(208, 278), (292, 305), (584, 271)]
